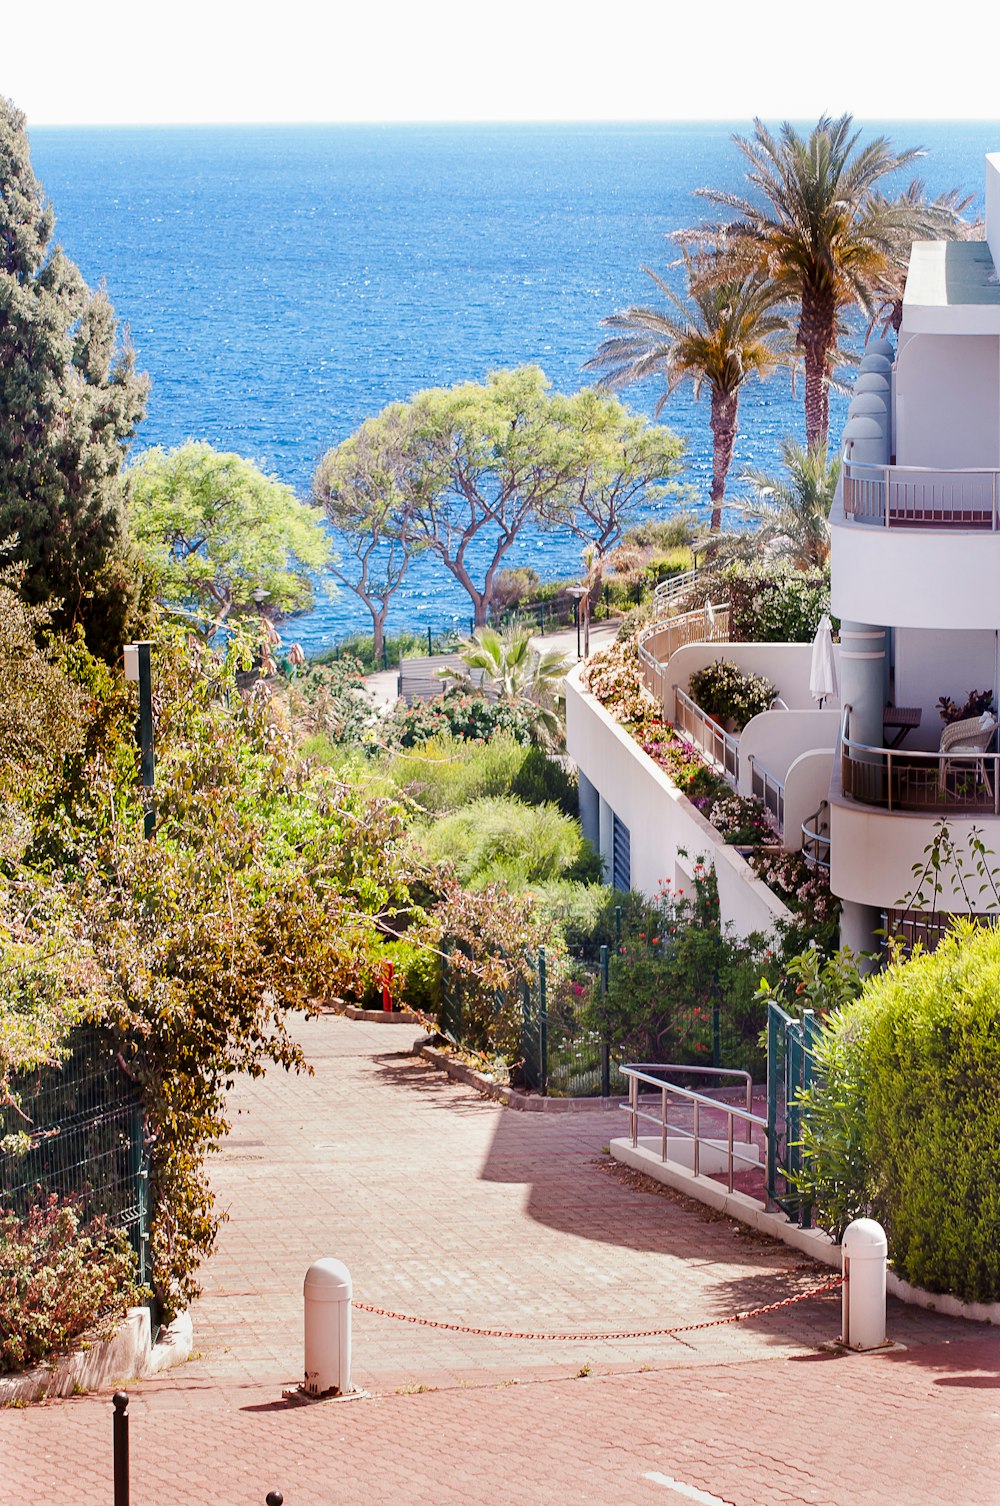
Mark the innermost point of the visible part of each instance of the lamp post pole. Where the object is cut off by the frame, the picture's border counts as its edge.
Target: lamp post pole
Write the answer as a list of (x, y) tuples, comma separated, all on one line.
[(138, 668)]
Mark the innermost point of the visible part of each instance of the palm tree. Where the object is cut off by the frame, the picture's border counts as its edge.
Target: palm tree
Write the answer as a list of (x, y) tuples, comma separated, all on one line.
[(518, 671), (793, 512), (727, 328), (820, 230)]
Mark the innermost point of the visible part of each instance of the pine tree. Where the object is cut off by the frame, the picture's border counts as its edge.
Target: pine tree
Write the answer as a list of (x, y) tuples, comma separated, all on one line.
[(70, 400)]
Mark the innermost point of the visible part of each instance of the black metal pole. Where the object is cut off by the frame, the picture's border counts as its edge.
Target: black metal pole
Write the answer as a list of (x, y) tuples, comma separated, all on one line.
[(274, 1498), (120, 1437), (578, 627), (147, 772)]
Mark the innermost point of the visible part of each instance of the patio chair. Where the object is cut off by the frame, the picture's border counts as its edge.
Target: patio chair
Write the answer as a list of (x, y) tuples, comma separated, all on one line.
[(964, 741)]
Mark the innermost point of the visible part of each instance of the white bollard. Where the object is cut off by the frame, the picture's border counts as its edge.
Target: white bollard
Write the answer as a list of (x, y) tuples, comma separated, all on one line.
[(865, 1251), (327, 1293)]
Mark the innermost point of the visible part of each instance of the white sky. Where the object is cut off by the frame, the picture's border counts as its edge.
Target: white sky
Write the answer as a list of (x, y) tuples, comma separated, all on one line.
[(70, 62)]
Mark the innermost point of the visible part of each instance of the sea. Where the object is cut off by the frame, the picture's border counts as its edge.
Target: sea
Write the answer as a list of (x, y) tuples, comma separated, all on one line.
[(282, 283)]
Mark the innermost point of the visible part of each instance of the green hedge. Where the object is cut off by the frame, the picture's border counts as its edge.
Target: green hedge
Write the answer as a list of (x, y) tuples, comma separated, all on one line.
[(907, 1125)]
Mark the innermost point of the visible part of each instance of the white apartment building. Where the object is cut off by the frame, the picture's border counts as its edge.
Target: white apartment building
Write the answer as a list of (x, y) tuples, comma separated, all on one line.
[(915, 561)]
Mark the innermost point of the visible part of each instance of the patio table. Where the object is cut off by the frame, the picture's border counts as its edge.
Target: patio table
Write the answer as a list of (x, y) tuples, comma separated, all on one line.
[(902, 719)]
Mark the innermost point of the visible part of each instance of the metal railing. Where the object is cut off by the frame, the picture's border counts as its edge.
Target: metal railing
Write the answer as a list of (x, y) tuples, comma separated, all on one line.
[(650, 1075), (718, 745), (699, 626), (906, 496), (816, 837), (675, 585), (769, 791), (903, 780)]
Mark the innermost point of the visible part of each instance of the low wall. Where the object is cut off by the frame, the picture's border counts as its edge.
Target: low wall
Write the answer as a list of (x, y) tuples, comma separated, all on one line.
[(786, 665), (807, 784), (661, 820), (103, 1364), (775, 739)]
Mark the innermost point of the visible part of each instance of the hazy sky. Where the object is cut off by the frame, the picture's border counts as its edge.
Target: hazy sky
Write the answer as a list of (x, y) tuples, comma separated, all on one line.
[(290, 60)]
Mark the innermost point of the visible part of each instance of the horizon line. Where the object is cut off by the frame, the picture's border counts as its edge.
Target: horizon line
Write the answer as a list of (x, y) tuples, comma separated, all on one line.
[(679, 120)]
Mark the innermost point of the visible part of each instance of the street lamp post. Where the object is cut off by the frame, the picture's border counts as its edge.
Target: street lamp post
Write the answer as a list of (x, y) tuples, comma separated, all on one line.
[(578, 593), (139, 670)]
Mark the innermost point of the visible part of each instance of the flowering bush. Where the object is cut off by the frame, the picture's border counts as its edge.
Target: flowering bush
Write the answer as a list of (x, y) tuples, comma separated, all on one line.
[(806, 891), (470, 717), (729, 694), (59, 1279), (772, 604), (741, 820)]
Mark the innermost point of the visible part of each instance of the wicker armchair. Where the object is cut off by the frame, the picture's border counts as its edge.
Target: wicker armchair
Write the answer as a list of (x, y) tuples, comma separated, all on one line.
[(964, 741)]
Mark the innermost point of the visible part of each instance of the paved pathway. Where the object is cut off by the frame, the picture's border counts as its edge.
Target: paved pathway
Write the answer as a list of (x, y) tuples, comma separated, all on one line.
[(447, 1206)]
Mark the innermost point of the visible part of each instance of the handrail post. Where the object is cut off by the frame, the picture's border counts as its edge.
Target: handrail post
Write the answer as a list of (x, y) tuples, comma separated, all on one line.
[(729, 1120), (663, 1123), (697, 1143), (633, 1107)]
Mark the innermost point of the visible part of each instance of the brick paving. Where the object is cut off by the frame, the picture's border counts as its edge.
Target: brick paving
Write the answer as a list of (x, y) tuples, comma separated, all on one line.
[(447, 1206)]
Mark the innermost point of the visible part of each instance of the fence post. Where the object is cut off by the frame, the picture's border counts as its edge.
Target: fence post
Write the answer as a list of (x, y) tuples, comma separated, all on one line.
[(716, 1021), (430, 651), (618, 924), (120, 1447), (543, 1026), (772, 1102), (605, 1045)]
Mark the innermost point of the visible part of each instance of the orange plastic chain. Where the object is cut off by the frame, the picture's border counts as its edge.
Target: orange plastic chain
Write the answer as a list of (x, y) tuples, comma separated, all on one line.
[(647, 1333)]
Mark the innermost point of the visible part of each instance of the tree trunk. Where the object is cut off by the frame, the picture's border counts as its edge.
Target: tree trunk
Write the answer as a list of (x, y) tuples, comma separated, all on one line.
[(817, 335), (725, 407)]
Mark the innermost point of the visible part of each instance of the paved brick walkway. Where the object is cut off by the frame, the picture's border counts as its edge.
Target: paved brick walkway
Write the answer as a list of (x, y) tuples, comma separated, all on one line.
[(447, 1206)]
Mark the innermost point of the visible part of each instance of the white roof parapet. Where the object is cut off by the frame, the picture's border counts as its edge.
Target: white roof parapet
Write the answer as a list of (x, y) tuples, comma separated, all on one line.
[(993, 205)]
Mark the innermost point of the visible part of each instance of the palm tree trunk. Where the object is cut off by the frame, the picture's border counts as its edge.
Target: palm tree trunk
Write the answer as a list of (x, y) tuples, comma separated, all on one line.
[(817, 337), (725, 407)]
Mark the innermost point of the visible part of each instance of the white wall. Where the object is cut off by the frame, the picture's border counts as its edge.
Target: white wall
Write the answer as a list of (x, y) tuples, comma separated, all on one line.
[(948, 401), (786, 665), (922, 578), (807, 784), (660, 819), (932, 664), (775, 739), (873, 852), (993, 205)]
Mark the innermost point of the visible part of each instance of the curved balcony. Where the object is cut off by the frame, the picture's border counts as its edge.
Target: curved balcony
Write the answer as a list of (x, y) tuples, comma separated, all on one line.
[(900, 780), (904, 496)]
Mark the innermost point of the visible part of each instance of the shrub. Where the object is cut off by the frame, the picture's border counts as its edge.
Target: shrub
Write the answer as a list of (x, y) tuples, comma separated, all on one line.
[(502, 838), (769, 603), (490, 938), (446, 773), (462, 715), (416, 976), (741, 820), (512, 587), (59, 1279), (728, 694), (906, 1126)]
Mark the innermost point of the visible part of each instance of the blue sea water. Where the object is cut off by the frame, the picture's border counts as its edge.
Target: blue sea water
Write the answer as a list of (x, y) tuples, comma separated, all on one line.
[(283, 283)]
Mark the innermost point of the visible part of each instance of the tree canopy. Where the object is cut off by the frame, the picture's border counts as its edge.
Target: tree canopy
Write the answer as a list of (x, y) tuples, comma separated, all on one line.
[(460, 471), (70, 401), (216, 530)]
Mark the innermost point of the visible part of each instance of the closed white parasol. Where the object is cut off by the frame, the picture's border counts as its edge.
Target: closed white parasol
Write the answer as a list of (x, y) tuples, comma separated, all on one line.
[(823, 667)]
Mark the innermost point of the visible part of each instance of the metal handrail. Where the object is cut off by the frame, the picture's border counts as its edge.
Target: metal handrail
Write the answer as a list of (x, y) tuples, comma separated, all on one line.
[(920, 495), (674, 586), (642, 1073), (690, 627), (898, 779), (816, 840), (769, 790), (714, 741)]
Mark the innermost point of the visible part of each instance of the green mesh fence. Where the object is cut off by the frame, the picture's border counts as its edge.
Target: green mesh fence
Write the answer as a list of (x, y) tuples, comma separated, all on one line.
[(77, 1131)]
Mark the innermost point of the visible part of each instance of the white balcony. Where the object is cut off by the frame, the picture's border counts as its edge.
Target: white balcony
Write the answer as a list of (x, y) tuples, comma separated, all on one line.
[(916, 548)]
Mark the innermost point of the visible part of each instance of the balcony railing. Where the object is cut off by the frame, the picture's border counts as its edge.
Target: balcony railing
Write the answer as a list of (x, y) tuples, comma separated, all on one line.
[(718, 745), (770, 791), (816, 837), (903, 496), (900, 780), (701, 626)]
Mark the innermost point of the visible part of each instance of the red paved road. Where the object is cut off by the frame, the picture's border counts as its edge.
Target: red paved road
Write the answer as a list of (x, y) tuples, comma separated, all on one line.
[(448, 1206)]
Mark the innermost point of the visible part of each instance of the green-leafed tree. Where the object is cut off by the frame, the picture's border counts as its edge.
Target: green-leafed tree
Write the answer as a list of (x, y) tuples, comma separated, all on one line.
[(216, 530), (726, 329), (820, 229), (70, 400), (371, 486)]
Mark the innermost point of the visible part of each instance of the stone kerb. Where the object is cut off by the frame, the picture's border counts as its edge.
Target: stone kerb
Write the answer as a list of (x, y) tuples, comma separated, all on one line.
[(128, 1354)]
